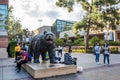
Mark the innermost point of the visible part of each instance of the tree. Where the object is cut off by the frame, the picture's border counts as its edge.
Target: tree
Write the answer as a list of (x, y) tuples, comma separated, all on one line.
[(86, 6), (94, 19), (79, 42), (66, 38), (94, 40), (14, 26), (59, 42)]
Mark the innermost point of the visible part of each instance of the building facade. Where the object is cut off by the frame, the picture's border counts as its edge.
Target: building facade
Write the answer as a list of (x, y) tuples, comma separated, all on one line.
[(113, 35), (61, 25), (3, 28), (42, 29)]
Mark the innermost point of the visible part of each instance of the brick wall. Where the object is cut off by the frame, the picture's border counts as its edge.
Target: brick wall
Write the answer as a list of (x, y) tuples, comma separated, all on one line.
[(3, 42), (3, 1)]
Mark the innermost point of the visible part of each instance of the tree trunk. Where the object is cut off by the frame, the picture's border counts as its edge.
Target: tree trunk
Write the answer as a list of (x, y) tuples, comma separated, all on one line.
[(88, 28), (87, 36)]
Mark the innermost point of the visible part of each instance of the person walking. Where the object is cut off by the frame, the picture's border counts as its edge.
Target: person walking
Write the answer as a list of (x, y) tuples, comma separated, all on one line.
[(70, 49), (60, 50), (106, 53), (97, 49)]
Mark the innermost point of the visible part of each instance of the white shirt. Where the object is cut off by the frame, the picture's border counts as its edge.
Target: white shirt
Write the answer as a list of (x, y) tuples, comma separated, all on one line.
[(106, 49), (60, 48), (97, 49)]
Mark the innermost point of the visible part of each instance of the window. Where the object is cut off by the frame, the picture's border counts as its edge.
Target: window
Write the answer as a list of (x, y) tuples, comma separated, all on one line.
[(3, 16)]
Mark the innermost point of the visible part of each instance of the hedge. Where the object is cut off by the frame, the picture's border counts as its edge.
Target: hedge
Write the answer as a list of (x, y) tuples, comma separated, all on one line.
[(12, 46), (81, 49)]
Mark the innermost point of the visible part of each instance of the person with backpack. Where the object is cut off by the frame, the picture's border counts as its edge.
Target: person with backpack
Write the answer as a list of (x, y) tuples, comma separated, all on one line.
[(94, 49), (67, 59), (106, 53), (97, 49)]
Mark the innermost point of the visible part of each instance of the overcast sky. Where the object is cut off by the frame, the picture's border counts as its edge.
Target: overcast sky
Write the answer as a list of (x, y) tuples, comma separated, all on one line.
[(30, 11)]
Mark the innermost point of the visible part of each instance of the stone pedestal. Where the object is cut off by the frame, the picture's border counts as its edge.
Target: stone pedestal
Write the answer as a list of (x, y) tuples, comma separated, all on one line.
[(43, 70)]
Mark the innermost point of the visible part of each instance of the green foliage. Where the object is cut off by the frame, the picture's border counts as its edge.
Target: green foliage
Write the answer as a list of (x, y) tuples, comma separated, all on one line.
[(90, 50), (96, 17), (14, 25), (66, 4), (114, 43), (79, 42), (85, 5), (65, 35), (94, 40), (12, 46), (79, 25), (114, 50), (59, 41)]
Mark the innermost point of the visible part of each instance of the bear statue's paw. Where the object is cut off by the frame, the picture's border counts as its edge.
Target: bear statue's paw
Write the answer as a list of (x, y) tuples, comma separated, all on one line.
[(44, 61), (53, 62), (36, 61)]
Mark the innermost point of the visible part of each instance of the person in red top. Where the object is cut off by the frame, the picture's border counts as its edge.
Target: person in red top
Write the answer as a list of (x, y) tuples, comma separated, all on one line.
[(23, 60)]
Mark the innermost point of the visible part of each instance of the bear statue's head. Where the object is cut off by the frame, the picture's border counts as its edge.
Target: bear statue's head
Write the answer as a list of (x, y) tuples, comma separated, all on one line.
[(49, 38)]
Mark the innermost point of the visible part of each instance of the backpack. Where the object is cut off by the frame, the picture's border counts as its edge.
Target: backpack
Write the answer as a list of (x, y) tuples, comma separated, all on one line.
[(94, 51)]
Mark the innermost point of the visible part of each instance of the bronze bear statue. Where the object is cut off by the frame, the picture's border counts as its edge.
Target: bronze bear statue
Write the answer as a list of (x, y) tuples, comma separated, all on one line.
[(41, 44)]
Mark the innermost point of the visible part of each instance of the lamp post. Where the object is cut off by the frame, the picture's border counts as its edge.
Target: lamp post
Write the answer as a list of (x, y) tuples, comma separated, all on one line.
[(83, 33), (17, 38), (40, 20), (107, 31)]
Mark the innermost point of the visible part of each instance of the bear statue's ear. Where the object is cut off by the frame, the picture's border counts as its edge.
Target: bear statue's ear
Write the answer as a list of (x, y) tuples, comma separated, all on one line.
[(45, 32)]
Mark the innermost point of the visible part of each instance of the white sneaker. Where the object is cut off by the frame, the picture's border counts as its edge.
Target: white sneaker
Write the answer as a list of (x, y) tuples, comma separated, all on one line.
[(97, 63)]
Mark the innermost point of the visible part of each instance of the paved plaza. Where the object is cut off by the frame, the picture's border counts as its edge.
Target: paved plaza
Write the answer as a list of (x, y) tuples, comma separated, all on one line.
[(91, 70)]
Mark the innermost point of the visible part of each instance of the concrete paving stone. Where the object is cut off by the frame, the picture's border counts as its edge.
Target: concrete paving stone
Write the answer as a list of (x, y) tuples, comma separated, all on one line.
[(101, 74), (12, 73), (88, 60), (1, 69), (1, 74), (8, 61), (111, 73), (91, 71), (0, 62)]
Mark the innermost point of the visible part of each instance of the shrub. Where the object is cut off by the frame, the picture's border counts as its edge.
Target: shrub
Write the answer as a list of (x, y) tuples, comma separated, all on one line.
[(114, 50), (79, 42), (114, 43), (93, 40), (12, 46), (59, 41)]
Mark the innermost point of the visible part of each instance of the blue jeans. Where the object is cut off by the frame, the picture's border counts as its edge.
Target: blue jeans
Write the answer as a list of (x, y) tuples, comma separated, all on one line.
[(97, 57), (106, 56)]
